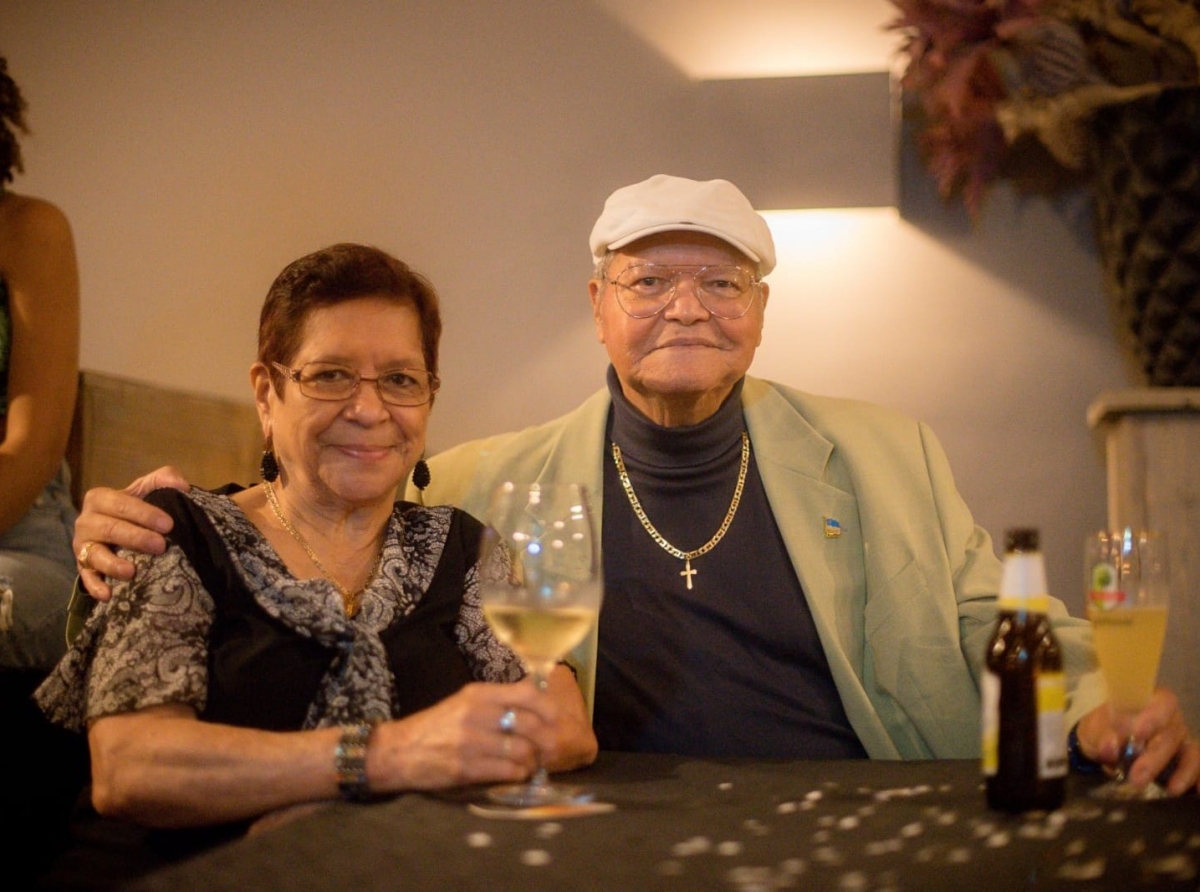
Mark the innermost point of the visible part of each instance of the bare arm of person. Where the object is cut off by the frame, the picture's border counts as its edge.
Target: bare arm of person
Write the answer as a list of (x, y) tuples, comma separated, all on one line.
[(37, 263), (119, 518), (162, 767)]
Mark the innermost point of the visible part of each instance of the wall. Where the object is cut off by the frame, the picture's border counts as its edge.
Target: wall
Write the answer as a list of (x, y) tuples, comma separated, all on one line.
[(198, 148)]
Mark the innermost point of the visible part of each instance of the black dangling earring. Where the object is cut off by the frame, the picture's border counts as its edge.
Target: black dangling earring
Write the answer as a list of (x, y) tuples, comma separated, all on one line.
[(421, 477), (269, 467)]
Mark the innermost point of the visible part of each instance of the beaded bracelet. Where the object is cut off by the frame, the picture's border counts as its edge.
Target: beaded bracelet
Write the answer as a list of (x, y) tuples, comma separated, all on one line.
[(350, 760)]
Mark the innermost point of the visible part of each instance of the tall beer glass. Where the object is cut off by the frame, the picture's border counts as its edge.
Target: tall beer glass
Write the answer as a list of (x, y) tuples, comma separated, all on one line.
[(1127, 595)]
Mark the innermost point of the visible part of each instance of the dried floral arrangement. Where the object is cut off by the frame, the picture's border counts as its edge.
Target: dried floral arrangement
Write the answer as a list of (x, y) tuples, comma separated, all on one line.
[(993, 78)]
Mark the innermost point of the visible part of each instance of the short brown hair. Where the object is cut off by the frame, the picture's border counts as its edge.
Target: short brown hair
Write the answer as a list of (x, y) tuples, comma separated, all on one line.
[(330, 276)]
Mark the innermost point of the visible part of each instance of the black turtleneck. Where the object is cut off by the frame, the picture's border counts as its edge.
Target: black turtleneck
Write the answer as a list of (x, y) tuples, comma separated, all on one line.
[(733, 667)]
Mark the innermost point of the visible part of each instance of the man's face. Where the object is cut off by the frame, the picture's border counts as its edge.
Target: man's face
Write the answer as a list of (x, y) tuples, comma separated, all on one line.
[(678, 366)]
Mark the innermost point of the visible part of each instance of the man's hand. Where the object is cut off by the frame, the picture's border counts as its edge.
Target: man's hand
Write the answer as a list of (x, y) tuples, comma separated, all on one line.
[(1161, 728), (119, 518)]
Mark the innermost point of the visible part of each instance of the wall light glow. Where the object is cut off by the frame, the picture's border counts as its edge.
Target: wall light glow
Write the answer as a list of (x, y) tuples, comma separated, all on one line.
[(716, 39), (825, 232)]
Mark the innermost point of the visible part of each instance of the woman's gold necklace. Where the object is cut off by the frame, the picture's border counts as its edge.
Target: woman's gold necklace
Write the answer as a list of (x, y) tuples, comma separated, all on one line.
[(686, 556), (351, 600)]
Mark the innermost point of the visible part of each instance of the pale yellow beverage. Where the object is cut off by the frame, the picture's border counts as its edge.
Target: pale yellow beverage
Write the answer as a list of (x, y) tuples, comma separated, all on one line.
[(539, 635), (1129, 643)]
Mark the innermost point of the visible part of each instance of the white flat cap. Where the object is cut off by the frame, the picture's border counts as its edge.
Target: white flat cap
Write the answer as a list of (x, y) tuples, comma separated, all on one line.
[(667, 204)]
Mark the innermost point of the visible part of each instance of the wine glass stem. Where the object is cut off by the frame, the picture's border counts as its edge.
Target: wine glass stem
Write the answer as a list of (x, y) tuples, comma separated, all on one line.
[(541, 777), (1129, 754)]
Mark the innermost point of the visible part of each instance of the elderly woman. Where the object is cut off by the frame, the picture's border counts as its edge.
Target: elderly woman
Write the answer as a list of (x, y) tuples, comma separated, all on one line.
[(310, 636)]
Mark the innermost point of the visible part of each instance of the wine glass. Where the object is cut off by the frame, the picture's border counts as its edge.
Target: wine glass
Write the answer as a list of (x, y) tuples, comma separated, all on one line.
[(540, 588), (1127, 594)]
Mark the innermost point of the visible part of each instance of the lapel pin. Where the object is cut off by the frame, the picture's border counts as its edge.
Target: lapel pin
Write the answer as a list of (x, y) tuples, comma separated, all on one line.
[(833, 528)]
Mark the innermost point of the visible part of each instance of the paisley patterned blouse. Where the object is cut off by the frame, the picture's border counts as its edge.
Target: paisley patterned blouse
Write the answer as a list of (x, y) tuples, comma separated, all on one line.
[(150, 644)]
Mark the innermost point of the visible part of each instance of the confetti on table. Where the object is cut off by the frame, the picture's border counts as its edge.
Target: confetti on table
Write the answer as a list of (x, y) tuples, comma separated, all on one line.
[(749, 878), (999, 840), (479, 840), (793, 866), (1082, 870), (884, 847), (697, 845), (1177, 867), (671, 868)]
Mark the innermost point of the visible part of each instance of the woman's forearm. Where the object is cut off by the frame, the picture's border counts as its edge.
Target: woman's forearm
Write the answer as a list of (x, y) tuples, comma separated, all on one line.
[(161, 767)]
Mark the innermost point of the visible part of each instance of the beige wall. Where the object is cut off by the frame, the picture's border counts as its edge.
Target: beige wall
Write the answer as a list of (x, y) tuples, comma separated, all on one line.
[(197, 148)]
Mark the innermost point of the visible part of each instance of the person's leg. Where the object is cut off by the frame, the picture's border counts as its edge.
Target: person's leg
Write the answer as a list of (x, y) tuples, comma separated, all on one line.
[(37, 569), (35, 633)]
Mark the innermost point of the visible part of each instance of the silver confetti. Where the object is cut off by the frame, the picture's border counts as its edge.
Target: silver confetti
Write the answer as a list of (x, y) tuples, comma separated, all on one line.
[(1082, 870), (697, 845), (535, 857)]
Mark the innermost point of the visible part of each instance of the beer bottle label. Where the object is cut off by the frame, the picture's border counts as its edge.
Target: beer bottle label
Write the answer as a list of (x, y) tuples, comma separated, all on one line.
[(1028, 603), (990, 691), (1052, 730)]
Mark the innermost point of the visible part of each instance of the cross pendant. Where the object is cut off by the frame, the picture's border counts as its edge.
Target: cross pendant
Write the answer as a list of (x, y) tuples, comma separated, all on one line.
[(688, 572)]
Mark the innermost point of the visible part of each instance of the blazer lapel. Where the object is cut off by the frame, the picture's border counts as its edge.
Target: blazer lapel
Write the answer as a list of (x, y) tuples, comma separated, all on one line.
[(817, 515)]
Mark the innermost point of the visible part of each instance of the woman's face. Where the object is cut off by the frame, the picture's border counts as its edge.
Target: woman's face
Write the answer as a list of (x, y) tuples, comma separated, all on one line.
[(356, 451)]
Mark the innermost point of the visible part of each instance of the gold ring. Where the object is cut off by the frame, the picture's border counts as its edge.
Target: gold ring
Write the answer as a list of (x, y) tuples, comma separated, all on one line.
[(507, 746), (84, 551)]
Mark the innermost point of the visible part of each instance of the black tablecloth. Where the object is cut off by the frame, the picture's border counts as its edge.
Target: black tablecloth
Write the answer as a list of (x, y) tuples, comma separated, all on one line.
[(684, 824)]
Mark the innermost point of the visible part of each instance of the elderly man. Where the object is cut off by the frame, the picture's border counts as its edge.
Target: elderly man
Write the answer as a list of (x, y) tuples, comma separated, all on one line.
[(785, 574)]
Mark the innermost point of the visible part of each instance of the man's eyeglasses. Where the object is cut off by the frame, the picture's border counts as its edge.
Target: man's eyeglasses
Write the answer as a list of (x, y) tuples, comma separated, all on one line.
[(329, 381), (646, 289)]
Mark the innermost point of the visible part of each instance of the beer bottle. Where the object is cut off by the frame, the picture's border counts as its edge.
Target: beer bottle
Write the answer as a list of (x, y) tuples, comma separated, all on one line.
[(1024, 689)]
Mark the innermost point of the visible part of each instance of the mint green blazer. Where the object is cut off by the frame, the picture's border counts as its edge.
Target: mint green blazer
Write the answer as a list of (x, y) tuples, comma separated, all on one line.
[(904, 596)]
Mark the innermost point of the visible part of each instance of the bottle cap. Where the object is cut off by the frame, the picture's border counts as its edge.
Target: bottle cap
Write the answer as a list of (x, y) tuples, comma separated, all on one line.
[(1021, 539)]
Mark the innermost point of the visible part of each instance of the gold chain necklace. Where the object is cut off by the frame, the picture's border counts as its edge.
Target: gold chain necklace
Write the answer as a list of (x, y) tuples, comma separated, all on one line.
[(686, 556), (351, 600)]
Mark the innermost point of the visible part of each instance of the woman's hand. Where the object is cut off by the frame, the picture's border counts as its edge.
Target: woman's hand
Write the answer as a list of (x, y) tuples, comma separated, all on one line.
[(113, 517), (462, 739)]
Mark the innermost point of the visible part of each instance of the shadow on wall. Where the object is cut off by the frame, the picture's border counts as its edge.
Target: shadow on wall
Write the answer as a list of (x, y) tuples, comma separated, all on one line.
[(1006, 240)]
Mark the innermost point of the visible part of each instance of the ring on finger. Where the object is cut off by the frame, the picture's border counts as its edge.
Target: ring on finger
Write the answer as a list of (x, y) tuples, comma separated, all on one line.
[(508, 721), (507, 746), (85, 551)]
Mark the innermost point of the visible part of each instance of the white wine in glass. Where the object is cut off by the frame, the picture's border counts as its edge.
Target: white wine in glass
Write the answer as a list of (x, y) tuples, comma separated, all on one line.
[(541, 589), (1127, 596)]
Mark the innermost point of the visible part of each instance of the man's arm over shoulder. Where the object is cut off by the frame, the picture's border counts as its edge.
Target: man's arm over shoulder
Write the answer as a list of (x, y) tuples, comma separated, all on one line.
[(568, 447)]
